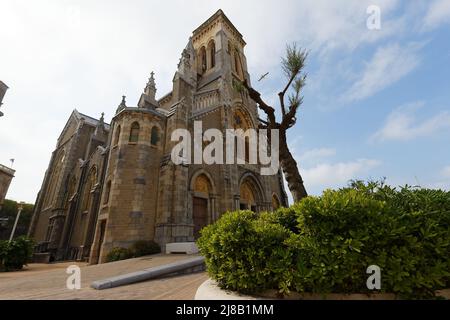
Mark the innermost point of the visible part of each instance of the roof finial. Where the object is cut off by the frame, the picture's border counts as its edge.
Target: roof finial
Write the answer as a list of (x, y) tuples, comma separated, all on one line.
[(122, 105), (100, 125), (150, 88)]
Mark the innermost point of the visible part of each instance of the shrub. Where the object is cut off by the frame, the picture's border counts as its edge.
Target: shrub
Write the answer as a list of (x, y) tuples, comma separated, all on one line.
[(118, 253), (138, 249), (144, 248), (287, 217), (246, 254), (405, 232), (15, 254)]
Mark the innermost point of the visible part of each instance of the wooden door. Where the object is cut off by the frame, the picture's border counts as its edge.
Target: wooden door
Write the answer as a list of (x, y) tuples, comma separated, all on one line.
[(200, 215)]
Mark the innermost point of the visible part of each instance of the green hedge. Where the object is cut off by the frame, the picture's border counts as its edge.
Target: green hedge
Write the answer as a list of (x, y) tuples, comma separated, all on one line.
[(138, 249), (145, 248), (15, 254), (333, 240), (245, 253)]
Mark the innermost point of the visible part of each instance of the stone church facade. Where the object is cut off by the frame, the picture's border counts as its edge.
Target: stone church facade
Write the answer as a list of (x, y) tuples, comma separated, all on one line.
[(110, 185)]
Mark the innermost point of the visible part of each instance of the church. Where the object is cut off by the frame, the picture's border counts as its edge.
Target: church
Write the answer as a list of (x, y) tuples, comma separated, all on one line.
[(109, 185)]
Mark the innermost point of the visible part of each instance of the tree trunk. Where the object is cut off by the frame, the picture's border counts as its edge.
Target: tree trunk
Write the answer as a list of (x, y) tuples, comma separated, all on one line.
[(290, 171)]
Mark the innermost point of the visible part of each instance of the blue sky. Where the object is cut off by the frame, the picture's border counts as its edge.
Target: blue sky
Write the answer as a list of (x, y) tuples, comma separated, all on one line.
[(376, 101)]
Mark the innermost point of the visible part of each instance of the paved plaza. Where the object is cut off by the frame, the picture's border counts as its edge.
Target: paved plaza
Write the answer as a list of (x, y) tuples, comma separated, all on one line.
[(48, 281)]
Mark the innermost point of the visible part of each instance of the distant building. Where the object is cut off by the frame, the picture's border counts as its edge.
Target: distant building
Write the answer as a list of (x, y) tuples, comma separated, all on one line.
[(6, 175), (3, 88)]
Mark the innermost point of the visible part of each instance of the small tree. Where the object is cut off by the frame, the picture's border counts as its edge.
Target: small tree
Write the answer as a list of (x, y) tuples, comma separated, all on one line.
[(292, 66)]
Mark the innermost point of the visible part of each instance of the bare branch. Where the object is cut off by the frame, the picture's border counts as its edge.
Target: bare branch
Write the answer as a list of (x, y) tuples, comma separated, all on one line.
[(256, 96), (282, 93), (263, 121)]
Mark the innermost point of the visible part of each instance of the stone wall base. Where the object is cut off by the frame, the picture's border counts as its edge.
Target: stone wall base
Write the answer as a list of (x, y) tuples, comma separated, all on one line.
[(173, 232), (209, 290)]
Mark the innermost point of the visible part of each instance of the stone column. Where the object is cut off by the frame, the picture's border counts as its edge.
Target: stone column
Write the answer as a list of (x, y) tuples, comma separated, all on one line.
[(237, 202), (213, 208)]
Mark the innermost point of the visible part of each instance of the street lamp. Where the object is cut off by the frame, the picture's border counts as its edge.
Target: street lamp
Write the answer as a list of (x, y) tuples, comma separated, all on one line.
[(19, 210)]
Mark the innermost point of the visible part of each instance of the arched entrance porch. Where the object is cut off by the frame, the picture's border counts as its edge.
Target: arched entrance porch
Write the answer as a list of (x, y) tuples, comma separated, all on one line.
[(203, 201)]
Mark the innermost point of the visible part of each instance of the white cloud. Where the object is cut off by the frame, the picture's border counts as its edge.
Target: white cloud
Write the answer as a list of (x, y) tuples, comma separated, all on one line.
[(319, 175), (438, 14), (446, 172), (328, 175), (441, 180), (317, 154), (388, 65), (402, 124)]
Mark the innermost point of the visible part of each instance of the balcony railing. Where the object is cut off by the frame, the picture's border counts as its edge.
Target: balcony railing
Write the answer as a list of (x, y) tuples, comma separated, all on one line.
[(205, 100)]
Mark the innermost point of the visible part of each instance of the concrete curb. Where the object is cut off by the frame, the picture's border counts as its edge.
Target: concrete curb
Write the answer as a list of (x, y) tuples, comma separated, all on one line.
[(209, 290), (193, 264)]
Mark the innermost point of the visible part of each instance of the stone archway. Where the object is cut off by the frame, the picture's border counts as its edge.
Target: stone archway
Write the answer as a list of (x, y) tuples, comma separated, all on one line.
[(247, 197), (250, 194), (275, 202), (203, 201)]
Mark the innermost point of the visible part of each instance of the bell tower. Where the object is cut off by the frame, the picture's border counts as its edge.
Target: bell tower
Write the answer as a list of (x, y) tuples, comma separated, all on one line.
[(219, 47)]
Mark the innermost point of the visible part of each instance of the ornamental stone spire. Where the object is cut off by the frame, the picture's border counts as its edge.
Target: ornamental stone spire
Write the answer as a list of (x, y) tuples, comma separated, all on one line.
[(122, 105), (148, 97), (150, 88), (100, 127)]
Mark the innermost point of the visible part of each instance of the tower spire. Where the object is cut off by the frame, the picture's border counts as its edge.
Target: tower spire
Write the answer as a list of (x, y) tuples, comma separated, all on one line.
[(100, 127), (150, 88), (148, 97), (122, 105)]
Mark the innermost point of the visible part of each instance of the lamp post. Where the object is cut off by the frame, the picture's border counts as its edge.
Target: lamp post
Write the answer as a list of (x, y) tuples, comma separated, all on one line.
[(19, 210)]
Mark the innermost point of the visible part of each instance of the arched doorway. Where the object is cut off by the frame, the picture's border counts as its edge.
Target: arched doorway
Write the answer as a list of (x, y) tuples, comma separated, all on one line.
[(202, 204), (250, 194), (248, 200), (275, 202)]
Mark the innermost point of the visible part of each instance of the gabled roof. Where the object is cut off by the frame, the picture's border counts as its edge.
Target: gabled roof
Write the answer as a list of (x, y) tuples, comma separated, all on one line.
[(78, 117), (90, 120)]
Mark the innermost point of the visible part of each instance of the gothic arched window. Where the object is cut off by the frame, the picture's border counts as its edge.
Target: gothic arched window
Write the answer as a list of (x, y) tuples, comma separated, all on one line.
[(203, 59), (237, 63), (107, 192), (71, 188), (212, 53), (154, 136), (134, 132), (117, 136), (89, 185)]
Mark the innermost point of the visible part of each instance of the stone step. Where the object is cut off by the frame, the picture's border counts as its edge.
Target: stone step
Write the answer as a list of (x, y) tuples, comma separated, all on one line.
[(190, 265), (181, 247)]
